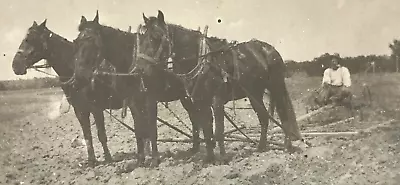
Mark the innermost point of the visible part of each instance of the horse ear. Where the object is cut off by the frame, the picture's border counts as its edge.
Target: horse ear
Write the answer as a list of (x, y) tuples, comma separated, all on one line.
[(96, 19), (146, 20), (160, 16), (43, 23), (35, 24), (83, 20)]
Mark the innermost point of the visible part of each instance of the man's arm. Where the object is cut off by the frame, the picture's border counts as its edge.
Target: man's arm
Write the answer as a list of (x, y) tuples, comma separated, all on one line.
[(327, 78), (346, 77)]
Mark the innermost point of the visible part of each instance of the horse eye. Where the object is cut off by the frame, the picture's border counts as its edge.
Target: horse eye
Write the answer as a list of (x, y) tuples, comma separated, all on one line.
[(28, 40)]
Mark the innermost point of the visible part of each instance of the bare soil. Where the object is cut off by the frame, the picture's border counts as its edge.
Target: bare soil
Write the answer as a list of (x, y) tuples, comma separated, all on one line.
[(38, 145)]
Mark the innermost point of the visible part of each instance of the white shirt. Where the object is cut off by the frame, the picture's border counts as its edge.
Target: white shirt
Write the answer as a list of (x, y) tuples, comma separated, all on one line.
[(338, 77)]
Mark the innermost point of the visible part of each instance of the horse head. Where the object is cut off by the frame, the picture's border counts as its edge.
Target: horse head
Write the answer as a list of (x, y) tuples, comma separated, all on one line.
[(32, 49), (155, 47), (88, 51)]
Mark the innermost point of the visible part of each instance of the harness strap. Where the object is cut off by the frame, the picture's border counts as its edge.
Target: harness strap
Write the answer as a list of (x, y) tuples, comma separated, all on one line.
[(236, 74), (147, 58)]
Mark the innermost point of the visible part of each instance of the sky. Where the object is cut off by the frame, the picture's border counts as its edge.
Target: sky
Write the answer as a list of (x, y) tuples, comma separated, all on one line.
[(299, 29)]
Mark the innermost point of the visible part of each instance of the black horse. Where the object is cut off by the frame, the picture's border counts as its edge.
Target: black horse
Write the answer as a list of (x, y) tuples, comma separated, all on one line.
[(96, 43), (251, 68), (245, 70), (41, 43)]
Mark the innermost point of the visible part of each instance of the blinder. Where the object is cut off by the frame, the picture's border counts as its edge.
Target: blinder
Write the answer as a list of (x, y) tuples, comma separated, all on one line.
[(44, 47)]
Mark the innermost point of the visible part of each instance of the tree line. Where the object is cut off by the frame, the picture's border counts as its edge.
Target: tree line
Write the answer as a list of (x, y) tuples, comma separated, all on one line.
[(357, 64), (35, 83)]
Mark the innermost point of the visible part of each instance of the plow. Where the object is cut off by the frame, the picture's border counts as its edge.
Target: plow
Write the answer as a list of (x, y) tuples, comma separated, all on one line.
[(243, 133), (250, 134)]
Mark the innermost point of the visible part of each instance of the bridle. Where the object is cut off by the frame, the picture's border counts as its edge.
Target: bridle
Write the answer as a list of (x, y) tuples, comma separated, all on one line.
[(44, 37), (89, 35), (165, 39), (157, 61)]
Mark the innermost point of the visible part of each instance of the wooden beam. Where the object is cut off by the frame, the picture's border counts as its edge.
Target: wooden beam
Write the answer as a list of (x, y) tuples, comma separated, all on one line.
[(244, 139), (312, 113), (337, 134), (234, 130), (182, 140), (173, 127)]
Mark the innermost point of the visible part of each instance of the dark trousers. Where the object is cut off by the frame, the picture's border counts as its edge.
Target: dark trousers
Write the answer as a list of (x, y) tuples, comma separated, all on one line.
[(332, 94)]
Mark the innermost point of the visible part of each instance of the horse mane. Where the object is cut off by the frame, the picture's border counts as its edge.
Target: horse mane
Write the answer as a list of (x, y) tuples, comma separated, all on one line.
[(117, 30), (118, 44), (216, 39), (61, 38), (107, 28), (181, 28)]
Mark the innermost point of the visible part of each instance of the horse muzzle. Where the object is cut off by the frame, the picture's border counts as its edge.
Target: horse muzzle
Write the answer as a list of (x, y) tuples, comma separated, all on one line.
[(19, 68)]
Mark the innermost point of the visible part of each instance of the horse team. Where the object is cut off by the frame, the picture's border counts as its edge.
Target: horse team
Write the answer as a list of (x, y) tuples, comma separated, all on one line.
[(107, 68)]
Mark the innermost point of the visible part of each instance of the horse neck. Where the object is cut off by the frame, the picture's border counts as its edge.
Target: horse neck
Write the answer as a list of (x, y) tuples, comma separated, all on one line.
[(184, 37), (59, 57), (118, 47)]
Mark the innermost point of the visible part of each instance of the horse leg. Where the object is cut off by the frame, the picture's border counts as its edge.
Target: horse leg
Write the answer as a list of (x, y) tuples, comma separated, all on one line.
[(101, 133), (189, 107), (151, 106), (259, 108), (140, 149), (204, 116), (137, 112), (83, 118), (218, 107)]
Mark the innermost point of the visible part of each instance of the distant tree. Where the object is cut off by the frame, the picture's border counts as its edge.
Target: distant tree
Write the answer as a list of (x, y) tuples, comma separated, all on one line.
[(395, 47), (291, 67), (2, 86), (317, 66)]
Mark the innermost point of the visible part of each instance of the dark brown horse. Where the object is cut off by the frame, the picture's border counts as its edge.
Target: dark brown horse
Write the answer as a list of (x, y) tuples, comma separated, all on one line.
[(251, 68), (41, 43), (97, 43)]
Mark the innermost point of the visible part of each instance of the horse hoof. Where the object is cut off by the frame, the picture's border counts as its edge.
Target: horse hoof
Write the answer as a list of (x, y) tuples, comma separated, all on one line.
[(261, 148), (91, 163), (194, 150), (108, 159), (293, 149), (155, 163), (140, 164), (209, 160), (224, 160)]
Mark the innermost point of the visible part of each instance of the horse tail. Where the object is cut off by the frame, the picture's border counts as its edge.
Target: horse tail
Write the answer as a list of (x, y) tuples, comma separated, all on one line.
[(281, 97)]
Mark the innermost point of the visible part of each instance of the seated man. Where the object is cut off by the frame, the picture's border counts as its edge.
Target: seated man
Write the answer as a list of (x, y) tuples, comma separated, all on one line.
[(335, 84)]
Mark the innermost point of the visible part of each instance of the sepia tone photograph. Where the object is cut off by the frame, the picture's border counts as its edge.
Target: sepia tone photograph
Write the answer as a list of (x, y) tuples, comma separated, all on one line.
[(193, 92)]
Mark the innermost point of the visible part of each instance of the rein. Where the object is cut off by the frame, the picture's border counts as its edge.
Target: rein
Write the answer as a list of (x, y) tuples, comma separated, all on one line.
[(152, 60), (44, 66), (155, 61), (39, 66)]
